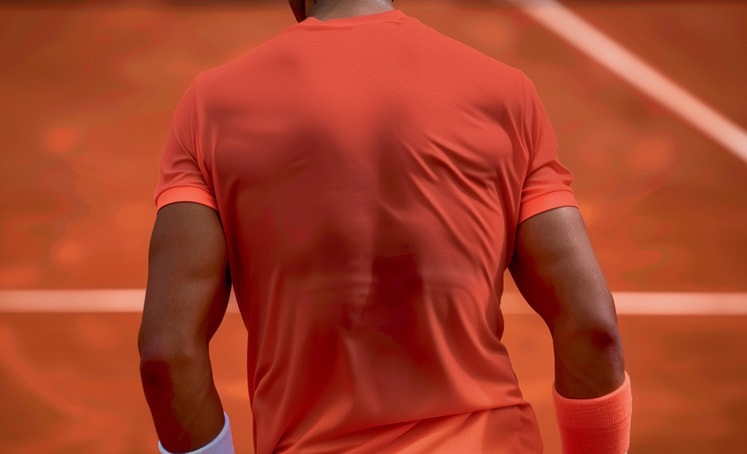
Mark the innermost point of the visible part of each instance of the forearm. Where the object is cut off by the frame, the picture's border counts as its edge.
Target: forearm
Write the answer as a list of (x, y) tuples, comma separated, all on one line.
[(183, 400)]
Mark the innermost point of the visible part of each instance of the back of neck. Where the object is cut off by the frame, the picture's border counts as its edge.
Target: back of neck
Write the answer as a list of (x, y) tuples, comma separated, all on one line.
[(338, 9)]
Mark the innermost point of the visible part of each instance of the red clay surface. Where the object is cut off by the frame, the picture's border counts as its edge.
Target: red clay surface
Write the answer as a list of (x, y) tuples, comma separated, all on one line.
[(88, 95)]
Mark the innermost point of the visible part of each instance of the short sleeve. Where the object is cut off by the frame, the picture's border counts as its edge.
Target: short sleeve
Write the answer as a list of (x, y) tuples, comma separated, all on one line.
[(183, 177), (548, 183)]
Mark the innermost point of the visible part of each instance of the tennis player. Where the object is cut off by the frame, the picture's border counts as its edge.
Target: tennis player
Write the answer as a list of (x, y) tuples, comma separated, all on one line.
[(363, 182)]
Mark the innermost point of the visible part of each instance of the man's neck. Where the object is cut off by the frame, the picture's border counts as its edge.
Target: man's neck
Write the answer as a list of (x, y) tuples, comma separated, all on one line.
[(338, 9)]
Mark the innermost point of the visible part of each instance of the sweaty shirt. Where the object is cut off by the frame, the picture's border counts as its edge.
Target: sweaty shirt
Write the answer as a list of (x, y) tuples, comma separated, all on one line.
[(370, 174)]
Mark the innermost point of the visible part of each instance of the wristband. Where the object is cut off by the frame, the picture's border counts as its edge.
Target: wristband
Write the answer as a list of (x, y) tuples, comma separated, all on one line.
[(222, 444), (600, 425)]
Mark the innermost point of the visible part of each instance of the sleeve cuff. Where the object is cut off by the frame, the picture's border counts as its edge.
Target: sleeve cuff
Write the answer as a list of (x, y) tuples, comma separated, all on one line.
[(222, 444), (185, 194), (545, 202)]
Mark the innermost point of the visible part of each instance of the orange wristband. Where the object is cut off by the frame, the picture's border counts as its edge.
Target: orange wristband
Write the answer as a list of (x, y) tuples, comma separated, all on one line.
[(600, 425)]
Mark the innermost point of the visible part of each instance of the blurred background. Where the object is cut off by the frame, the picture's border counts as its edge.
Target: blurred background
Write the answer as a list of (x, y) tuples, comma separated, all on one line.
[(648, 102)]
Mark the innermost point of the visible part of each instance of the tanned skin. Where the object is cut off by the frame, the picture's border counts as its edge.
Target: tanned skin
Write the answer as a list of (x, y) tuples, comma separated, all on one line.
[(556, 271), (337, 9), (185, 300)]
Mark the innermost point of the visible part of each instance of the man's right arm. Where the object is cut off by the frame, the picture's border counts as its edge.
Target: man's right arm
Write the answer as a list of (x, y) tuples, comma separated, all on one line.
[(555, 269)]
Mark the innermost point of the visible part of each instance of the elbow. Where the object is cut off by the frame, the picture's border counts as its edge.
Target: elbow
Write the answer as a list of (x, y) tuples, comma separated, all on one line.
[(592, 349), (590, 320), (601, 335), (589, 360), (605, 339), (164, 354)]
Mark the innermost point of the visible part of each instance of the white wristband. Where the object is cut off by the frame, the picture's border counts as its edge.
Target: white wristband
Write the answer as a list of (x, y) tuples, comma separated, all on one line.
[(222, 444)]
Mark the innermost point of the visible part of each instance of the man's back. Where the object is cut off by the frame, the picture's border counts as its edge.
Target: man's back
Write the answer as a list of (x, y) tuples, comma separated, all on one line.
[(370, 175)]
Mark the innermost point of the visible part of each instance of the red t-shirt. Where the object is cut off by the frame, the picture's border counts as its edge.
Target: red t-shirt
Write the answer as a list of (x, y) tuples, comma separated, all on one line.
[(370, 174)]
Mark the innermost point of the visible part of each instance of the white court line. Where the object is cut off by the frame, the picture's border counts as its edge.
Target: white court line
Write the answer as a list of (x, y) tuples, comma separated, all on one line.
[(657, 303), (636, 72), (109, 300), (131, 301)]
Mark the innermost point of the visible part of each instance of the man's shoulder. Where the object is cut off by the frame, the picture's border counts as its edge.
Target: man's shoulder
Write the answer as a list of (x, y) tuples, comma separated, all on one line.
[(465, 56), (260, 56)]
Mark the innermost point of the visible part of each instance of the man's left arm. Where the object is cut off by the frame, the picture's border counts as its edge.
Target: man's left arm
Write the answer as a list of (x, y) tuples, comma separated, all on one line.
[(185, 301)]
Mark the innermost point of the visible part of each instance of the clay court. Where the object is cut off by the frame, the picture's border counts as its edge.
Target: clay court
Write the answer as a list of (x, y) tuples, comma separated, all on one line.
[(648, 102)]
